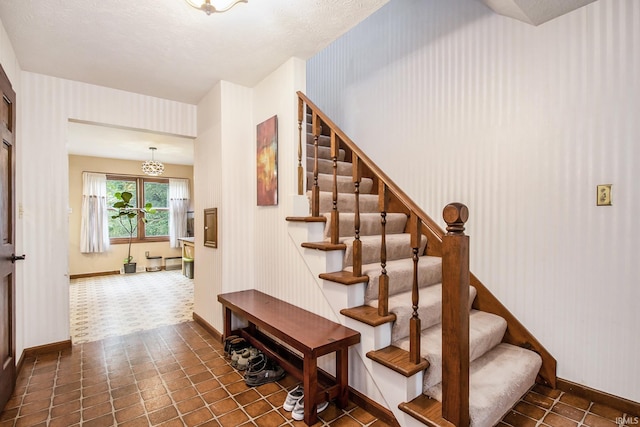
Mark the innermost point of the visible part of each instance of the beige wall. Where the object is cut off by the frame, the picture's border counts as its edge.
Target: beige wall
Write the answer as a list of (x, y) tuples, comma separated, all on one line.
[(80, 263)]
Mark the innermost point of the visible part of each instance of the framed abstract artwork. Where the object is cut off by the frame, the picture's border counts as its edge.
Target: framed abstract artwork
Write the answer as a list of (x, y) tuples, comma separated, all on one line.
[(267, 162)]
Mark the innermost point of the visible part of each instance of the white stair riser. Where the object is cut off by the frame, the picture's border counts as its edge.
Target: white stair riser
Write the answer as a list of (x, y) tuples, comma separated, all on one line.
[(371, 337), (340, 296)]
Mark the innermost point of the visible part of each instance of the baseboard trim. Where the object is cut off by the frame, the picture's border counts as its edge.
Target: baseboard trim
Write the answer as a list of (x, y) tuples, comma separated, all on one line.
[(207, 326), (42, 349), (100, 273), (620, 403), (373, 407)]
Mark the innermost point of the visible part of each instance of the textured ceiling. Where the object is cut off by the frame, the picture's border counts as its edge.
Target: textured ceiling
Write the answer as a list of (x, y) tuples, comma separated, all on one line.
[(535, 12), (167, 49)]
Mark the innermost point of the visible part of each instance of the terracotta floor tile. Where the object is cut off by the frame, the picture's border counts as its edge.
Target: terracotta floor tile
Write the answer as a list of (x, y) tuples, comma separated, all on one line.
[(575, 401), (223, 406), (555, 420), (198, 417), (65, 408), (233, 419), (345, 421), (33, 419), (530, 411), (237, 387), (568, 411), (361, 415), (66, 420), (258, 408), (270, 419), (215, 395), (183, 394), (130, 412), (165, 414), (157, 403), (97, 411), (605, 411), (247, 397), (190, 405), (517, 419), (592, 420), (209, 385), (546, 391)]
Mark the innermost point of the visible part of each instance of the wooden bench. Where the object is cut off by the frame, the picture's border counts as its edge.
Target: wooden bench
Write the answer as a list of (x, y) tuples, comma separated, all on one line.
[(308, 333)]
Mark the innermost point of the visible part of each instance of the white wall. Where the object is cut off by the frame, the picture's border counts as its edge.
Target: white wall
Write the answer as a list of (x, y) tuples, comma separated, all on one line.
[(222, 168), (46, 104), (520, 123), (254, 251)]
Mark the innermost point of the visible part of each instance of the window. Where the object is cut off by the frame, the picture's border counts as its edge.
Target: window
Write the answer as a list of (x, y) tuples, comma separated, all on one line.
[(144, 190)]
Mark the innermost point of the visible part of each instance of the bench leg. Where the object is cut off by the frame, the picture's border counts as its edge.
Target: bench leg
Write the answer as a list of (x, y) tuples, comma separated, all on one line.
[(342, 377), (310, 384), (227, 322)]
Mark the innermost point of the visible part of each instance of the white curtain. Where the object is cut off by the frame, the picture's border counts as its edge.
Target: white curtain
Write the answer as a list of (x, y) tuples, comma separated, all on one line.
[(94, 232), (178, 207)]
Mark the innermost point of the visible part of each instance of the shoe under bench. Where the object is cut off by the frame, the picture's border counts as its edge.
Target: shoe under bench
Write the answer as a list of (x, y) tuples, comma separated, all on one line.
[(311, 335)]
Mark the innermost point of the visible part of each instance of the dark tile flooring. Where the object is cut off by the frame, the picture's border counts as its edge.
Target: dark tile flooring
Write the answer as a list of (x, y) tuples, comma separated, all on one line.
[(171, 376), (177, 376)]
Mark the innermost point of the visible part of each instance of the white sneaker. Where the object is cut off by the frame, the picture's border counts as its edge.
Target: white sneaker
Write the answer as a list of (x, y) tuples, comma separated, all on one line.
[(292, 398), (298, 411)]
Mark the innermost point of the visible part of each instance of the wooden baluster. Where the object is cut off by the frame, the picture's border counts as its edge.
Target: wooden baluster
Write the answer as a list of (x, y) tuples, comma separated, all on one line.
[(455, 316), (315, 190), (383, 281), (335, 215), (357, 244), (300, 169), (415, 324)]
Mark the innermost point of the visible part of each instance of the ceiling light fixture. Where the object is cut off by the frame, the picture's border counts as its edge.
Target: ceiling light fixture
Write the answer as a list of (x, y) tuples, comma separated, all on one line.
[(214, 6), (151, 167)]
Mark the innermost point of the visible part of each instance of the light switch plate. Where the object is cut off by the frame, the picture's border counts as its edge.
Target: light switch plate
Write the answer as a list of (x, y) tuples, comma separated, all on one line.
[(603, 195)]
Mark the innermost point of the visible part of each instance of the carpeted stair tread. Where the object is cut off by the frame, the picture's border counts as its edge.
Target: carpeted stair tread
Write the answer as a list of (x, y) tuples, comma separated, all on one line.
[(370, 224), (323, 140), (345, 183), (429, 309), (497, 381), (347, 202), (323, 153), (398, 247), (486, 331), (400, 272), (326, 166)]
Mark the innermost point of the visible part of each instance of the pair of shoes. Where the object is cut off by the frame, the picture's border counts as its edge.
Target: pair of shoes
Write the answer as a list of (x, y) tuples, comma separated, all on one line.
[(269, 373), (236, 345), (240, 359), (292, 398), (298, 410), (227, 344)]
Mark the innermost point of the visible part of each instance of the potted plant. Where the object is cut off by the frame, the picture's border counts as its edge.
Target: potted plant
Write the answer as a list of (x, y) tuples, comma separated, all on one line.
[(129, 215)]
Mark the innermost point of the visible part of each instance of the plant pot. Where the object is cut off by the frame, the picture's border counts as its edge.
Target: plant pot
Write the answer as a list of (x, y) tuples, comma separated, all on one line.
[(130, 267)]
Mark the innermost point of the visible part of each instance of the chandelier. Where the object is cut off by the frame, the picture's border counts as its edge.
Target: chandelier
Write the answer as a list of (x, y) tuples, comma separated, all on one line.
[(214, 6), (151, 167)]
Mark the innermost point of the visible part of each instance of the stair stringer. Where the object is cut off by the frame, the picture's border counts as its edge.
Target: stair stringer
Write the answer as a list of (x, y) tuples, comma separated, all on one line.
[(381, 384)]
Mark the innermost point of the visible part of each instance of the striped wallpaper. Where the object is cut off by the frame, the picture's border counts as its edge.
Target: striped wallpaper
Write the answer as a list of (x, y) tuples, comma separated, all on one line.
[(520, 123)]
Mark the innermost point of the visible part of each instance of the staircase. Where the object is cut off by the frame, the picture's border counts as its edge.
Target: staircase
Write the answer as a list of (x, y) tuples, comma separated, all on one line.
[(395, 270)]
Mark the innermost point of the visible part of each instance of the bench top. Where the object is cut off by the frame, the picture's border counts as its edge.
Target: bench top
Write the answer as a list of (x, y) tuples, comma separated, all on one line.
[(303, 330)]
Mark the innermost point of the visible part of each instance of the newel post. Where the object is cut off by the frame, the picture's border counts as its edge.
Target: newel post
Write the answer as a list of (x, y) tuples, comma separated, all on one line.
[(455, 316)]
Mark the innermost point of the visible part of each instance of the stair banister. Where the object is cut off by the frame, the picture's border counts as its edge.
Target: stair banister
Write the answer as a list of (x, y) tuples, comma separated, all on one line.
[(300, 168), (357, 243), (315, 190), (455, 316), (414, 323), (431, 227), (335, 215), (383, 282)]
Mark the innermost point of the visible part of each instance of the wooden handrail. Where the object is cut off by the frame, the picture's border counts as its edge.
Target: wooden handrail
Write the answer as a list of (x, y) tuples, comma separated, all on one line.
[(431, 225), (398, 201), (455, 316)]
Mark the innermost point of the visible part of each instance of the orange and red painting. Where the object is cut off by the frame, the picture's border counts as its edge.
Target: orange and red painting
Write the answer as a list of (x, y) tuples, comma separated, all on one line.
[(267, 162)]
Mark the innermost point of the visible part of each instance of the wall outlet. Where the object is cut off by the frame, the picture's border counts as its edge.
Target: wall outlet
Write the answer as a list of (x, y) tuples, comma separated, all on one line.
[(146, 254), (603, 195)]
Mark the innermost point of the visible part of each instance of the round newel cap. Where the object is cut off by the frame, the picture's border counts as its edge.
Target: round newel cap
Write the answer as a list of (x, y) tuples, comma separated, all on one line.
[(455, 215)]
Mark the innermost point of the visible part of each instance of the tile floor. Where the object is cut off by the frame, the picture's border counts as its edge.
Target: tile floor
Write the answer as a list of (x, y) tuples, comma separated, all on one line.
[(108, 306), (543, 406), (176, 375), (170, 376)]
